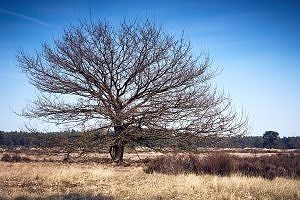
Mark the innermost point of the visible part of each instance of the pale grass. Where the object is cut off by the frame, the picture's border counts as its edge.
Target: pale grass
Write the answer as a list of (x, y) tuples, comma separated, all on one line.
[(56, 180)]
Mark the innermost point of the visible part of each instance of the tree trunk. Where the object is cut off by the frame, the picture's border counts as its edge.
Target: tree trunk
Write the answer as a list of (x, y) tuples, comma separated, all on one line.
[(116, 153)]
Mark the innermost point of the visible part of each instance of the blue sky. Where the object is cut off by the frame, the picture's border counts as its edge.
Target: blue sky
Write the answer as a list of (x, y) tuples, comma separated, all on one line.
[(256, 43)]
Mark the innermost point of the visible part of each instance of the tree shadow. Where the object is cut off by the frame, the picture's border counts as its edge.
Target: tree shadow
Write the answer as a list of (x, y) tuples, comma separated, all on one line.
[(71, 196)]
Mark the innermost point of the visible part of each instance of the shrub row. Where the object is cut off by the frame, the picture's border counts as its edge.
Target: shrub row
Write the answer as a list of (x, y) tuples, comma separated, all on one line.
[(286, 165), (14, 158)]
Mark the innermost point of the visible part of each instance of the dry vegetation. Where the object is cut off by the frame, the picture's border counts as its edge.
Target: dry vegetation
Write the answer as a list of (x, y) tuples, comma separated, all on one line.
[(222, 163), (45, 180), (28, 177)]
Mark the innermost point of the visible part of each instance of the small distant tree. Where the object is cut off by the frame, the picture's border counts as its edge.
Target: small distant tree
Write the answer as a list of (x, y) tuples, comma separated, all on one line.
[(270, 139), (136, 80)]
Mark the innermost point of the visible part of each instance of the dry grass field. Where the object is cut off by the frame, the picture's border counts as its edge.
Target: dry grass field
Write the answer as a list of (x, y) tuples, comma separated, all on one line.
[(92, 180)]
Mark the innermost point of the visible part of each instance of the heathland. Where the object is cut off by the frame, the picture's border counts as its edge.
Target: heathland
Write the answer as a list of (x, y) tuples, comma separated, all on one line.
[(35, 174)]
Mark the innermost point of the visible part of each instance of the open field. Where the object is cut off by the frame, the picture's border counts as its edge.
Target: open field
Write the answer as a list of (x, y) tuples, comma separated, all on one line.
[(94, 181), (40, 179), (59, 154)]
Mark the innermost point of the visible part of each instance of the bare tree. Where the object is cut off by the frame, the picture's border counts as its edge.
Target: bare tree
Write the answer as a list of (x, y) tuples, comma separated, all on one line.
[(135, 79)]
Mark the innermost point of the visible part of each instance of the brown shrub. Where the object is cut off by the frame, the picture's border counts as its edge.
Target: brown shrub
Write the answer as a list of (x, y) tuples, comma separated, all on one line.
[(173, 164), (287, 165), (14, 158), (248, 167), (218, 163), (271, 166)]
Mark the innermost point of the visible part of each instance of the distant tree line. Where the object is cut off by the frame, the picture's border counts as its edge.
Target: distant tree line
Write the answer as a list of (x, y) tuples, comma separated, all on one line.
[(75, 139), (28, 139), (258, 142)]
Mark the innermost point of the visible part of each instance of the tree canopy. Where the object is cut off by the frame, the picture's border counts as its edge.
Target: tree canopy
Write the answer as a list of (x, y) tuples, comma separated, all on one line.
[(270, 139)]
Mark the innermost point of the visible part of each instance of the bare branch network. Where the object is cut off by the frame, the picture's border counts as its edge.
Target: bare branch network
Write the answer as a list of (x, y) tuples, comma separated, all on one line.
[(135, 78)]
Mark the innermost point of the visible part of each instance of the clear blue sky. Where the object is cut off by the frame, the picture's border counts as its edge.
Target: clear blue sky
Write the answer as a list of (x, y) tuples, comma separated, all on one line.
[(256, 43)]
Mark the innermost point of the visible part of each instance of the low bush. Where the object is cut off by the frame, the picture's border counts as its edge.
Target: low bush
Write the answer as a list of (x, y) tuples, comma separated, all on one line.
[(216, 163), (287, 165), (14, 158)]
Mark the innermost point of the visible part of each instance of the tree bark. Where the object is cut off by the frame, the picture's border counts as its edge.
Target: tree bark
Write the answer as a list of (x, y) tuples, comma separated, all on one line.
[(116, 153)]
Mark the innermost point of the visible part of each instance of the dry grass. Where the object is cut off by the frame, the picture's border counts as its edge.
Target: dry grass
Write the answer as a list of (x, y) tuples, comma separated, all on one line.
[(51, 180)]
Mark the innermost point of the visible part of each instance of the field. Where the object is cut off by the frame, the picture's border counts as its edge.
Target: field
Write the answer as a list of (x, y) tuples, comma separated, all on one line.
[(55, 179)]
